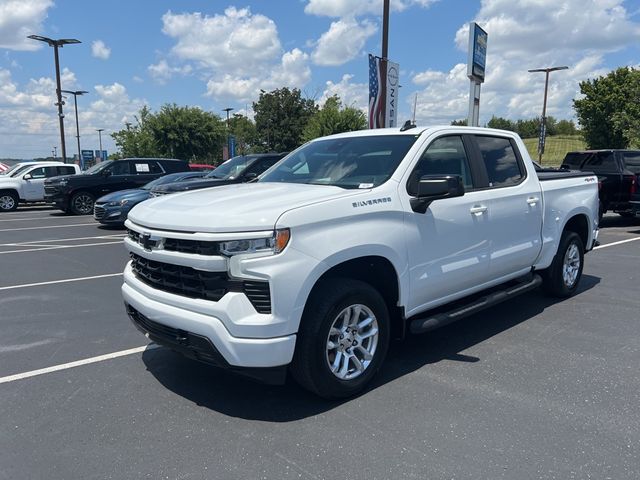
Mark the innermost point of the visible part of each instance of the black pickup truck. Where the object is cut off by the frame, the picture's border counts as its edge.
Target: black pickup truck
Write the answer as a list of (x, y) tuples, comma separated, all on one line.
[(77, 193), (618, 172)]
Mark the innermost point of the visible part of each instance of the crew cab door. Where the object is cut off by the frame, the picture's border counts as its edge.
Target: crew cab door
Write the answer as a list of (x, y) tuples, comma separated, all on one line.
[(144, 171), (515, 208), (448, 245), (33, 183)]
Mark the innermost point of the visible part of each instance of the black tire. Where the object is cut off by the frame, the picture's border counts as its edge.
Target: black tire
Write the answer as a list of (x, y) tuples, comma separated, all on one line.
[(558, 281), (81, 203), (8, 201), (329, 299)]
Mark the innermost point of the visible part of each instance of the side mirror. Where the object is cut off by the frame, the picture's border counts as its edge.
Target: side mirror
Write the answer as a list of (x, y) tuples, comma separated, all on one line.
[(250, 176), (106, 173), (436, 187), (27, 177)]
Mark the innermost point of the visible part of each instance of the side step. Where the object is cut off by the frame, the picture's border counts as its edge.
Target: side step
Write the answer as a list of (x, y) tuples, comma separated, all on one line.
[(425, 324)]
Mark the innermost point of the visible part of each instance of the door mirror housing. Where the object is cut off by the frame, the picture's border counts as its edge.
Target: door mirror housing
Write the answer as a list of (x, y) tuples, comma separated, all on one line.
[(250, 176), (436, 187), (27, 177)]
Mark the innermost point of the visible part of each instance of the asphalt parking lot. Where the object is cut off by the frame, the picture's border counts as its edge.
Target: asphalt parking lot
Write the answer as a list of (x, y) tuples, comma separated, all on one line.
[(533, 388)]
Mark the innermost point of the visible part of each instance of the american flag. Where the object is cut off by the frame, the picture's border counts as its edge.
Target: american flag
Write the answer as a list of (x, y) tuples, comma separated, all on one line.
[(375, 102), (3, 167)]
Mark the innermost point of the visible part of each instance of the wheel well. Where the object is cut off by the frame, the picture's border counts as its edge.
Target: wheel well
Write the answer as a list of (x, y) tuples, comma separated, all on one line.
[(10, 190), (381, 275), (580, 225)]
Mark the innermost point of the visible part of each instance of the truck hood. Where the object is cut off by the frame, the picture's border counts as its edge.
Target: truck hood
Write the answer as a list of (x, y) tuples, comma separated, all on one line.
[(192, 184), (135, 195), (232, 208)]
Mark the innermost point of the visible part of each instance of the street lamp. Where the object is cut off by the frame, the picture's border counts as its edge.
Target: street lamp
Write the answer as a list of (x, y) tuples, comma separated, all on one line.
[(100, 130), (543, 120), (228, 109), (75, 94), (55, 44)]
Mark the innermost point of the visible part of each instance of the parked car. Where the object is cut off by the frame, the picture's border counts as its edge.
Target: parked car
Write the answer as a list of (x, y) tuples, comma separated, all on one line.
[(112, 209), (618, 172), (238, 169), (201, 167), (25, 184), (349, 241), (77, 193)]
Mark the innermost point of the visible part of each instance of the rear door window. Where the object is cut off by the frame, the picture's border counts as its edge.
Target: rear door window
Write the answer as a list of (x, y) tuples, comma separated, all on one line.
[(500, 161), (120, 168), (632, 161)]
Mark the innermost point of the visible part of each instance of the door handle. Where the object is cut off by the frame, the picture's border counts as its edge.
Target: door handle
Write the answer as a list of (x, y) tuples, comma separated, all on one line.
[(532, 201), (478, 210)]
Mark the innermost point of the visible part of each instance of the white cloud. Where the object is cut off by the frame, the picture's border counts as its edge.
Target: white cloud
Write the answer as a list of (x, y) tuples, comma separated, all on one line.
[(525, 35), (354, 95), (19, 18), (100, 50), (293, 72), (236, 43), (162, 71), (342, 42), (345, 8)]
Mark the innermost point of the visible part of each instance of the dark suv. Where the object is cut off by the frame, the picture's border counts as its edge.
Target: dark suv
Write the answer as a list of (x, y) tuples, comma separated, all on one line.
[(618, 172), (235, 170), (77, 193)]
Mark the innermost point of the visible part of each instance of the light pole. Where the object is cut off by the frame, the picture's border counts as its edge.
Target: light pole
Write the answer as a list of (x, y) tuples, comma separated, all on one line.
[(543, 120), (228, 109), (100, 130), (75, 94), (57, 44)]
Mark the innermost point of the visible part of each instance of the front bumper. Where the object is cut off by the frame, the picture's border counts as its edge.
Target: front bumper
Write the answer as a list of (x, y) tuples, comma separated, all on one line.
[(57, 196), (237, 352)]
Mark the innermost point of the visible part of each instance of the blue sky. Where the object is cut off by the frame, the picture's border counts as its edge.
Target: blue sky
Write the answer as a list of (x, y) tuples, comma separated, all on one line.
[(218, 54)]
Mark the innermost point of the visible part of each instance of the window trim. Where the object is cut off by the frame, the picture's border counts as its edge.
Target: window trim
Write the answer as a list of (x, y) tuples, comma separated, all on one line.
[(473, 171), (481, 164)]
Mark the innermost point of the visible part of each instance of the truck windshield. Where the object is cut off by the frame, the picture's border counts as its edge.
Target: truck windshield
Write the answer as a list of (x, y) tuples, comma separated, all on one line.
[(98, 167), (351, 162)]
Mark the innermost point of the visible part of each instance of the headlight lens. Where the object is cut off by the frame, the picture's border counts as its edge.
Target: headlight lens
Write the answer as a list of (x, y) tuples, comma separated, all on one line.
[(119, 203), (274, 244)]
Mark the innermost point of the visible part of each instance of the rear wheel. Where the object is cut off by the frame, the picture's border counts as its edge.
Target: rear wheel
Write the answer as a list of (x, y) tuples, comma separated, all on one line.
[(82, 203), (343, 338), (8, 201), (561, 279)]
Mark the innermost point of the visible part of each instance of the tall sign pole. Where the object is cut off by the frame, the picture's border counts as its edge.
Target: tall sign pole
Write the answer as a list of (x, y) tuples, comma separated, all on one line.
[(475, 70)]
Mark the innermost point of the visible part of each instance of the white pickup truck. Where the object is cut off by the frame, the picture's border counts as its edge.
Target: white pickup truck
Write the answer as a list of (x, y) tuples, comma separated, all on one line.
[(349, 241), (25, 182)]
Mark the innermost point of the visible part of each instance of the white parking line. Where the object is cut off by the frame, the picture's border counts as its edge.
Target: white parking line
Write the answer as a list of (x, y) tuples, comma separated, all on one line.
[(616, 243), (78, 363), (29, 218), (60, 247), (53, 282), (51, 240), (52, 226)]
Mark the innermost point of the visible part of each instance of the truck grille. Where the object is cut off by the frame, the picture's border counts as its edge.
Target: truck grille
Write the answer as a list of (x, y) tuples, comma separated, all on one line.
[(98, 211), (50, 189), (194, 247), (192, 283)]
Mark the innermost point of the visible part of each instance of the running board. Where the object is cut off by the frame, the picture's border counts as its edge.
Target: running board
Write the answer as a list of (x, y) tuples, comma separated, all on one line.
[(425, 324)]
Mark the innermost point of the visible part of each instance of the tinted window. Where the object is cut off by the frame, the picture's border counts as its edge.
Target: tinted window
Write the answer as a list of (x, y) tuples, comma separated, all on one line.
[(120, 168), (574, 159), (500, 161), (66, 171), (51, 171), (444, 156), (38, 173), (601, 162), (261, 165), (632, 161), (347, 162)]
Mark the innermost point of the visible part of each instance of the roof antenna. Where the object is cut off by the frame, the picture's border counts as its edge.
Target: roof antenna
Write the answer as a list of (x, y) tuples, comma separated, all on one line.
[(411, 123), (415, 103)]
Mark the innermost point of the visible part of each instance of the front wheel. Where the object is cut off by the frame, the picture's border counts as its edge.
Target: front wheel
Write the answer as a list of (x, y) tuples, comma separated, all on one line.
[(8, 201), (343, 338), (82, 203), (561, 279)]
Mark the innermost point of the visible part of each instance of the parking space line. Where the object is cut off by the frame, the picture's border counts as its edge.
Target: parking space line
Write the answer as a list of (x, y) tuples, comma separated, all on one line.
[(51, 226), (59, 247), (53, 282), (29, 218), (78, 363), (50, 240), (616, 243)]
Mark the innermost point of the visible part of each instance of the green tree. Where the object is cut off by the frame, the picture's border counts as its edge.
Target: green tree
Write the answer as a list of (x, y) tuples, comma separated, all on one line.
[(281, 116), (528, 128), (566, 127), (459, 123), (244, 131), (333, 118), (609, 110), (501, 123), (187, 133)]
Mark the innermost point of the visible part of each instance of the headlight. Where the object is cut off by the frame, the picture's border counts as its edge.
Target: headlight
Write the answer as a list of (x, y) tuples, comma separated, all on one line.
[(120, 203), (274, 244)]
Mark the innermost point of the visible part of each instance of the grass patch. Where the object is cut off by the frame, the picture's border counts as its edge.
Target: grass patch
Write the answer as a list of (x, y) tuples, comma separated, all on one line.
[(555, 148)]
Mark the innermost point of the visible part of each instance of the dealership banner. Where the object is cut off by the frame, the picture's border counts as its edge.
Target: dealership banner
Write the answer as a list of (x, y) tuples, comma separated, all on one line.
[(383, 92)]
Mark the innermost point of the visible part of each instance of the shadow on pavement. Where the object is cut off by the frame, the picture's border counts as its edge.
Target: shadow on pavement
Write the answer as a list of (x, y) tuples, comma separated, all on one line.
[(618, 221), (236, 396)]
